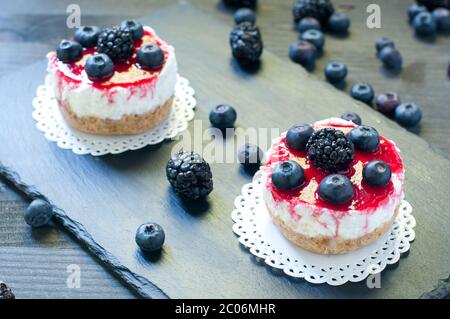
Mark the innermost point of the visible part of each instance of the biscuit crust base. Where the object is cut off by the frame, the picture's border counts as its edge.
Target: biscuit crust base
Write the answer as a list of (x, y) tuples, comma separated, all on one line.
[(330, 245), (128, 124)]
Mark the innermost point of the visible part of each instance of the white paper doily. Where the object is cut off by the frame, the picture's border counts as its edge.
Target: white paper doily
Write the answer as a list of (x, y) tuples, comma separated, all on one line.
[(51, 123), (256, 232)]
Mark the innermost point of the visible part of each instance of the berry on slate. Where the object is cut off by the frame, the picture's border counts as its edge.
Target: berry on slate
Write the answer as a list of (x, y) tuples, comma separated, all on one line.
[(352, 117), (315, 37), (362, 92), (330, 150), (339, 23), (190, 175), (387, 102), (424, 24), (335, 72), (336, 189), (116, 43), (241, 3), (414, 9), (6, 292), (298, 136), (99, 67), (87, 36), (391, 58), (319, 9), (383, 42), (38, 213), (365, 138), (303, 53), (69, 51), (408, 114), (308, 23), (150, 56), (442, 17), (222, 116), (250, 155), (134, 27), (288, 175), (377, 173), (245, 15), (246, 43), (150, 237)]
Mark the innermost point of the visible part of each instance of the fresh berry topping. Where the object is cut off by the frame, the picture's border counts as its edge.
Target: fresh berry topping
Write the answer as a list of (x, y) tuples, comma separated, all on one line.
[(308, 23), (69, 51), (246, 43), (116, 43), (134, 27), (38, 213), (298, 136), (288, 175), (6, 292), (387, 102), (87, 36), (222, 116), (190, 175), (250, 155), (408, 114), (240, 3), (391, 58), (150, 237), (245, 15), (335, 72), (150, 56), (336, 189), (319, 9), (442, 17), (413, 10), (377, 173), (424, 24), (330, 150), (315, 37), (365, 138), (339, 23), (352, 117), (383, 42), (303, 53), (99, 67), (362, 92)]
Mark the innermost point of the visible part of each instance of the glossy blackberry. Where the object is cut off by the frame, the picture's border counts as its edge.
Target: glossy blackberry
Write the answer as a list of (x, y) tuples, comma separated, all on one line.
[(319, 9), (241, 3), (246, 43), (330, 150), (190, 175), (116, 43), (6, 292), (433, 4)]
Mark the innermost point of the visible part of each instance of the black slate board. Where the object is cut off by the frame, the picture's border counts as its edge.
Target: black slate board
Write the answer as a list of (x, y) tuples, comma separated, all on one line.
[(112, 195)]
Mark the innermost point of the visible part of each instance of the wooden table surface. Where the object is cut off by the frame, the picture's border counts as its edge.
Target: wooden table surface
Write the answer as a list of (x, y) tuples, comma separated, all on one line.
[(34, 262)]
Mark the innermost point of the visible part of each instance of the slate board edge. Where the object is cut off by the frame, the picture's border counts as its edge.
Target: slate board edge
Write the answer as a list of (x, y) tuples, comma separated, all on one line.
[(142, 286)]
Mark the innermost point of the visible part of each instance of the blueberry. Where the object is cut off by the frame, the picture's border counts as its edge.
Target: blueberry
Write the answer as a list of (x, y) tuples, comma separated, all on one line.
[(134, 27), (408, 114), (150, 56), (303, 53), (69, 51), (288, 175), (391, 58), (383, 42), (222, 116), (315, 37), (335, 72), (308, 23), (250, 155), (297, 136), (377, 173), (99, 67), (387, 102), (352, 117), (442, 17), (414, 9), (424, 24), (336, 189), (87, 36), (362, 92), (365, 138), (245, 15), (339, 23), (38, 213), (150, 237)]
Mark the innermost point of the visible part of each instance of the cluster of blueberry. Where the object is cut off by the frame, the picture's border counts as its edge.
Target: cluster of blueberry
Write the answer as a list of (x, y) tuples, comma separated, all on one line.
[(428, 23)]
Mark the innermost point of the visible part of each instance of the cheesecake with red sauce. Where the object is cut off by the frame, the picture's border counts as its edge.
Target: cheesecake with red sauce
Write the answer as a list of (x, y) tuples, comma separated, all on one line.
[(116, 94), (333, 195)]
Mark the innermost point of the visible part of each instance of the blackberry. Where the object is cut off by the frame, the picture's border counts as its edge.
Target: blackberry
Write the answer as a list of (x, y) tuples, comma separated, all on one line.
[(116, 43), (433, 4), (240, 3), (319, 9), (6, 292), (330, 150), (246, 43), (190, 175)]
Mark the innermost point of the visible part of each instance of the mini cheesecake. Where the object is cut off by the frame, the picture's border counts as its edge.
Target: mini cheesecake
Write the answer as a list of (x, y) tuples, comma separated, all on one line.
[(329, 228), (133, 100)]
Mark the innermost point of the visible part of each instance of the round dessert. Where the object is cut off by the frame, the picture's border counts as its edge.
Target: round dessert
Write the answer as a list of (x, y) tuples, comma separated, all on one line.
[(123, 85), (347, 190)]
